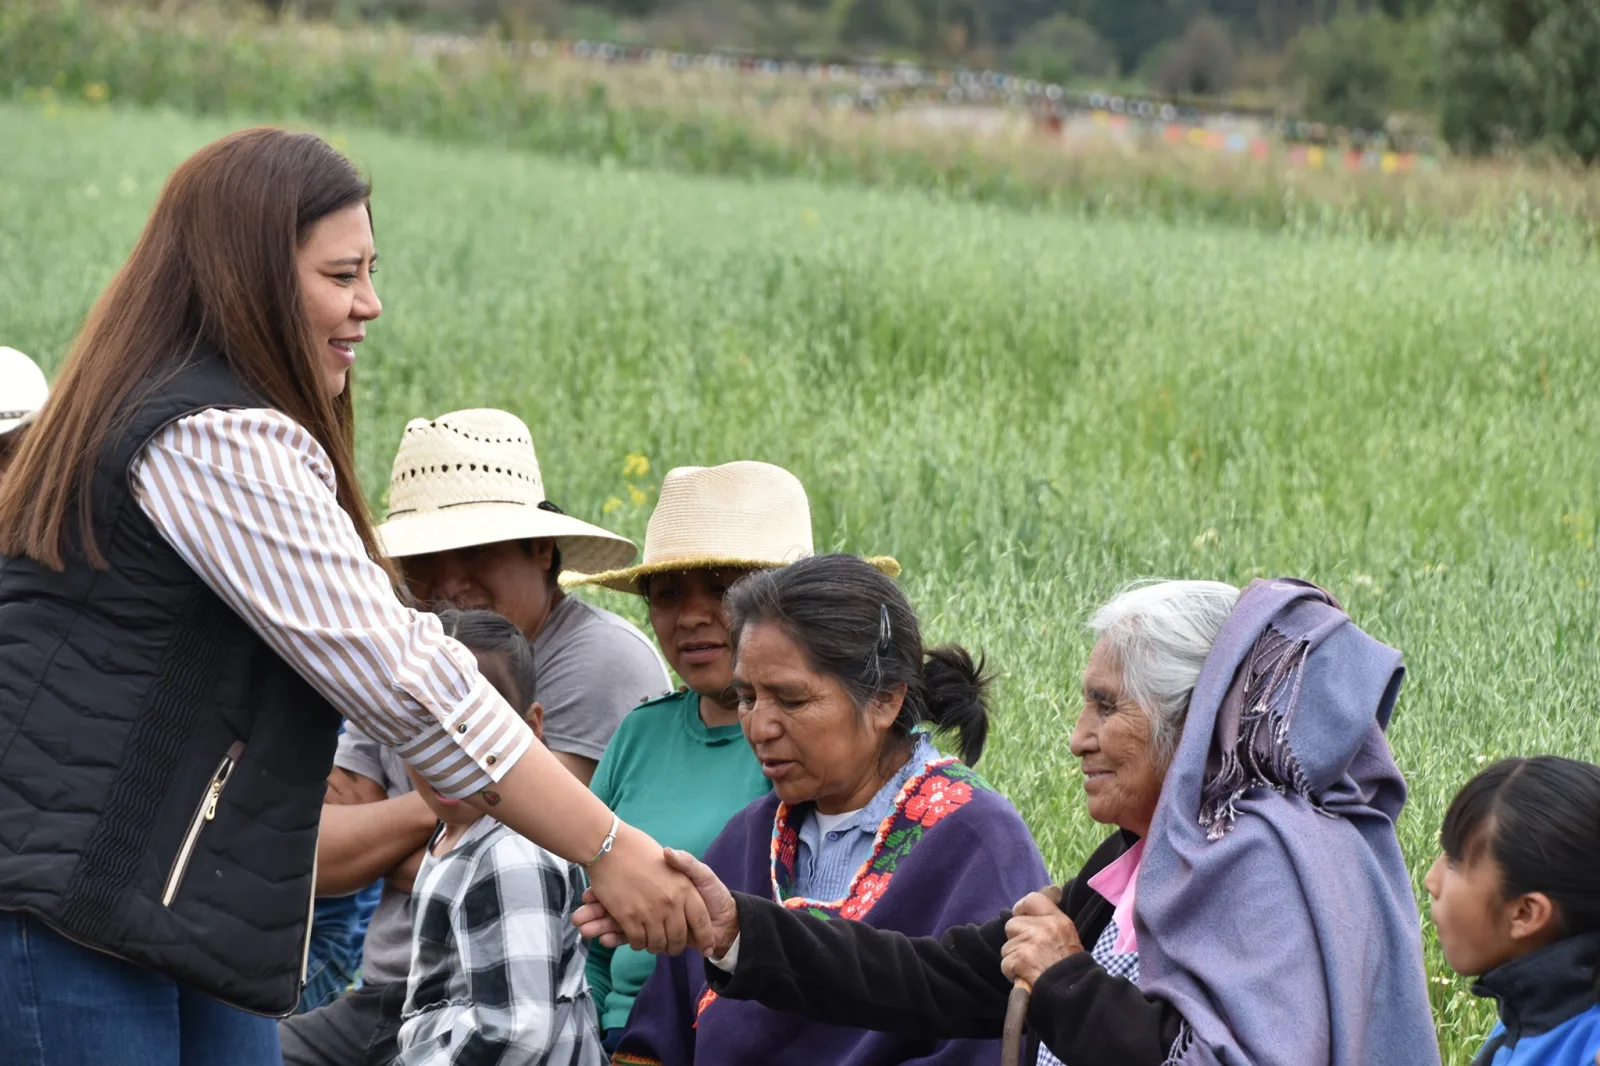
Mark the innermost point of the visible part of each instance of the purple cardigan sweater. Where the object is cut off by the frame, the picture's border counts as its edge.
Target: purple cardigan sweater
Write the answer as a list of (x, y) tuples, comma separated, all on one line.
[(953, 851)]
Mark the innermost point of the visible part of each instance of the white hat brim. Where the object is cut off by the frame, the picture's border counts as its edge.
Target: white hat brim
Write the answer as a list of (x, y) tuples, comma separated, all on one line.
[(584, 548), (9, 424)]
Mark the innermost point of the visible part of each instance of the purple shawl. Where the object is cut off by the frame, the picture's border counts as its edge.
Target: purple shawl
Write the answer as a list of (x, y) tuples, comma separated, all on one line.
[(1275, 908), (952, 852)]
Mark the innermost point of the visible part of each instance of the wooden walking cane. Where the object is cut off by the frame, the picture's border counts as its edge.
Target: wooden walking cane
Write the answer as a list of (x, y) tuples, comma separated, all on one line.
[(1014, 1035)]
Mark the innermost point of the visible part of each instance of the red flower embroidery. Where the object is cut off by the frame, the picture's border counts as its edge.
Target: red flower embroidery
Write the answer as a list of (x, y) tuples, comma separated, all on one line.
[(788, 845), (937, 797), (869, 890)]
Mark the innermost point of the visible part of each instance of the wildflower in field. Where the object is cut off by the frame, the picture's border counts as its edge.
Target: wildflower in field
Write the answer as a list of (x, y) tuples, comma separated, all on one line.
[(1209, 539), (611, 506), (635, 465), (96, 92), (636, 494)]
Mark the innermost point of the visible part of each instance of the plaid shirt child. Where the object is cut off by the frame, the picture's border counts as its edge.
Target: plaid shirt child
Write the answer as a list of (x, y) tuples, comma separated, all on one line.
[(496, 967)]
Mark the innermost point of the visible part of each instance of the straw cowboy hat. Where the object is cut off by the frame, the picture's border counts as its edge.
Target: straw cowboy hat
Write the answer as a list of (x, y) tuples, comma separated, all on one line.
[(471, 477), (23, 389), (743, 515)]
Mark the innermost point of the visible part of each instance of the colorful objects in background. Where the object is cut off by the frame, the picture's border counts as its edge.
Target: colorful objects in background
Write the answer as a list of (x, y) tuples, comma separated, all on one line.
[(878, 86)]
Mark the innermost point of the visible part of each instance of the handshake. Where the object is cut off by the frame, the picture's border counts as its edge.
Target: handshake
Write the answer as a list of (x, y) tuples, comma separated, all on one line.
[(680, 904), (701, 911)]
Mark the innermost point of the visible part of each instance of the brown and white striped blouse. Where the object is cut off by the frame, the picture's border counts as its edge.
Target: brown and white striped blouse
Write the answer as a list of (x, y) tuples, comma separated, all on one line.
[(247, 498)]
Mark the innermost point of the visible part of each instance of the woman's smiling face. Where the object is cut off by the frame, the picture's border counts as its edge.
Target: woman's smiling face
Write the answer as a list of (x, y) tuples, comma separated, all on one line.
[(1121, 779), (335, 264)]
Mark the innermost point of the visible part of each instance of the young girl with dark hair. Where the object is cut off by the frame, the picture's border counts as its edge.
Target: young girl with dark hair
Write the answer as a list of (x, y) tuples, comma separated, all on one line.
[(191, 595), (867, 821), (496, 971), (1516, 899)]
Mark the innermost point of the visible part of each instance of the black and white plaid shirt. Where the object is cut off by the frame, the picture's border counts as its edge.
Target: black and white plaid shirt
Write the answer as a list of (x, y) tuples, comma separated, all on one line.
[(496, 966)]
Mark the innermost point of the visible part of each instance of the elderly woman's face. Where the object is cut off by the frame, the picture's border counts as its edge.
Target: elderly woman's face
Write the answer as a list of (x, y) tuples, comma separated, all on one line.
[(804, 727), (1112, 738)]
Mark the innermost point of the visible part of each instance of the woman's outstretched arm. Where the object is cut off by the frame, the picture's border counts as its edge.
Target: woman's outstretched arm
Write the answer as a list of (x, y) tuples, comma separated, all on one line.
[(948, 987), (842, 972), (848, 973), (247, 499)]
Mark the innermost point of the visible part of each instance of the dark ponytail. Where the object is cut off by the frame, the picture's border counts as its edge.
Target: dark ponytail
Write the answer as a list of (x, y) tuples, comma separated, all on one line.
[(1539, 819), (857, 626), (956, 700)]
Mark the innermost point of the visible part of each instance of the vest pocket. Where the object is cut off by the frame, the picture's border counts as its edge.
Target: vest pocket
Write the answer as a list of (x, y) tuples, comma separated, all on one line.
[(203, 813)]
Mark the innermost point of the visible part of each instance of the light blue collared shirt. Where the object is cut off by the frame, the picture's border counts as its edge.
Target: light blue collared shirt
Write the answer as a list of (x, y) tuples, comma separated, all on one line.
[(827, 862)]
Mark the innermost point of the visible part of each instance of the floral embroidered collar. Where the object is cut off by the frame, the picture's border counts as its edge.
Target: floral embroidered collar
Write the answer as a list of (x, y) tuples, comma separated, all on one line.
[(926, 798)]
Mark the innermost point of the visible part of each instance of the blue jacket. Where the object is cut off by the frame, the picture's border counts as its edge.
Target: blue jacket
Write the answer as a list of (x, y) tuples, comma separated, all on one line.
[(1549, 1014)]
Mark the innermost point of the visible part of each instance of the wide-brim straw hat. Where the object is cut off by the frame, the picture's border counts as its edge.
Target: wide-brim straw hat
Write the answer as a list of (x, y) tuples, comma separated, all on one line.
[(744, 515), (471, 477), (23, 389)]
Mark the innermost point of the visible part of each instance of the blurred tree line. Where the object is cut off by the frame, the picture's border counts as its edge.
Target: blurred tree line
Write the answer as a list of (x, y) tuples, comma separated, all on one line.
[(1487, 74)]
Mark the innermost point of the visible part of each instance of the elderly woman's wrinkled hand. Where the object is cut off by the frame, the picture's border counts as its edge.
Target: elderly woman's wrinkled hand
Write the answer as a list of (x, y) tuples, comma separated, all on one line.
[(1038, 936)]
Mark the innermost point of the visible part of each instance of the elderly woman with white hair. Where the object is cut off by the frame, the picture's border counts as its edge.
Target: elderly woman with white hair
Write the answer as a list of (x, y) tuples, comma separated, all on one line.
[(1252, 907)]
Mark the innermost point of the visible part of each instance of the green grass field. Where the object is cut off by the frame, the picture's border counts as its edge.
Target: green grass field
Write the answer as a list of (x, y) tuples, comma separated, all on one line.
[(1028, 410)]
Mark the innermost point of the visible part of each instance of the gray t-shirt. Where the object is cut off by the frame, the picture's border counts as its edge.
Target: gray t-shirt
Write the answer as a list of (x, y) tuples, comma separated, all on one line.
[(593, 667), (387, 954)]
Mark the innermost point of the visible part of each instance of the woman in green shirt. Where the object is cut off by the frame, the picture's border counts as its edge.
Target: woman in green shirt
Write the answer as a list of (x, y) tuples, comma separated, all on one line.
[(679, 767)]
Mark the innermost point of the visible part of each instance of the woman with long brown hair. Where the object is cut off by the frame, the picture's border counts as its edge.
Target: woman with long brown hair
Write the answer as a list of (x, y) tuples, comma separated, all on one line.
[(190, 597)]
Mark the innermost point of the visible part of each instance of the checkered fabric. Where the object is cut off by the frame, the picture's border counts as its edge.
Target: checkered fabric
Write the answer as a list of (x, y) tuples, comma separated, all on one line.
[(1125, 966), (496, 967)]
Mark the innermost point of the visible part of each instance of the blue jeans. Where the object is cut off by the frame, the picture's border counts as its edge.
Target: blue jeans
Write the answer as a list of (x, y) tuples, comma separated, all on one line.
[(334, 952), (65, 1005), (338, 933)]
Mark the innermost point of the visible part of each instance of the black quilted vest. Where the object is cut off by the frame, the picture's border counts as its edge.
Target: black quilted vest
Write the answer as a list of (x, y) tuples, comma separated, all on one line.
[(161, 768)]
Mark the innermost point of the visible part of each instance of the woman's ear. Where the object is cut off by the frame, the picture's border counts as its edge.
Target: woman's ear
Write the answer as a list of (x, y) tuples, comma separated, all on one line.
[(885, 707), (535, 719), (1534, 917)]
